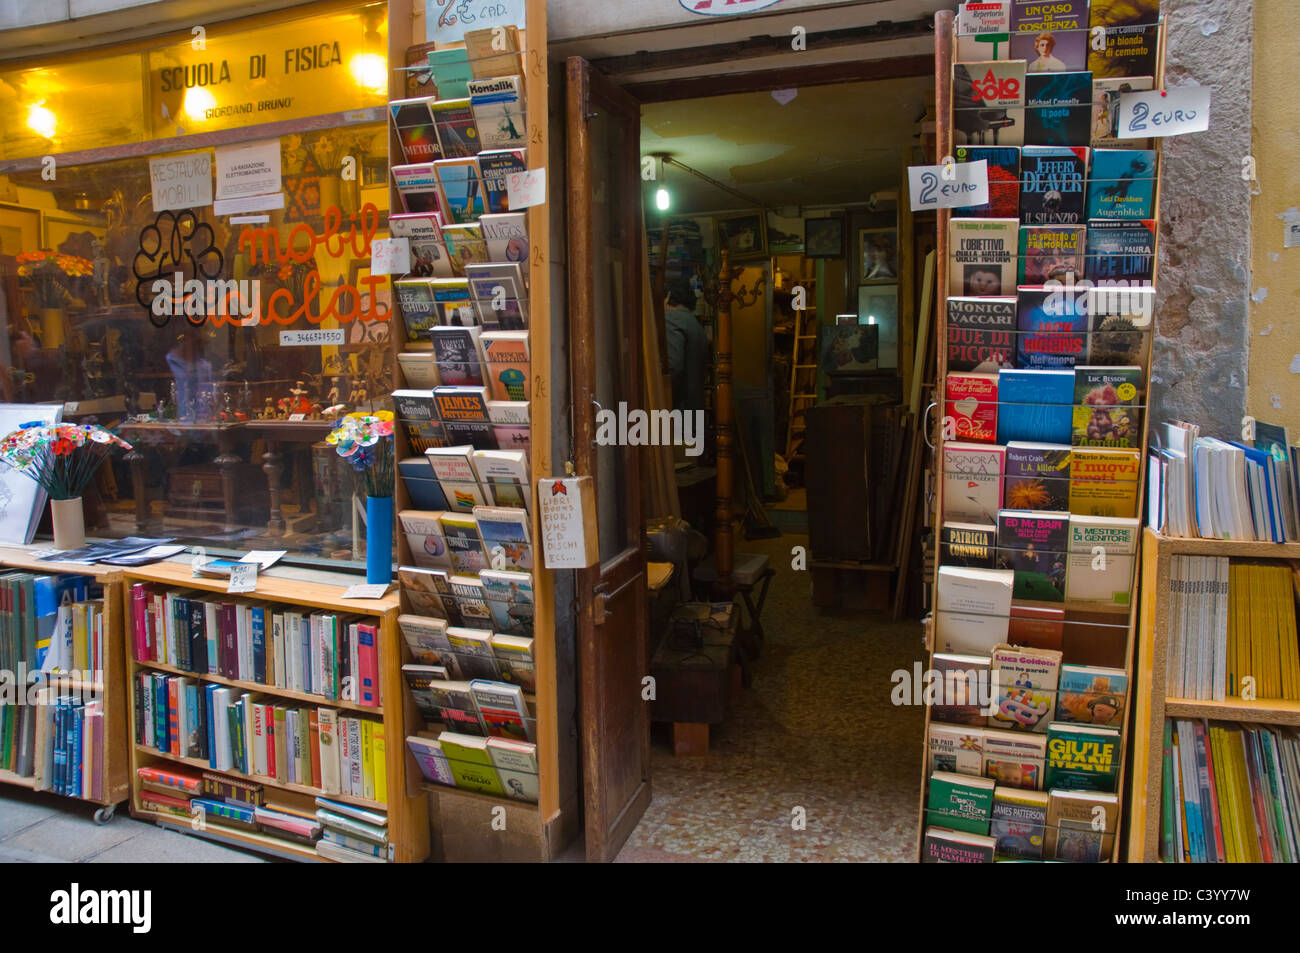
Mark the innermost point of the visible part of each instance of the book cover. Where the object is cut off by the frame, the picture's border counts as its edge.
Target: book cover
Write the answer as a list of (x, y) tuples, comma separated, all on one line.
[(1048, 51), (1053, 327), (414, 124), (1127, 51), (515, 658), (983, 253), (494, 167), (1015, 758), (421, 485), (451, 71), (465, 246), (509, 598), (1082, 757), (1120, 251), (1081, 826), (494, 52), (502, 524), (972, 404), (1018, 823), (1034, 16), (418, 186), (461, 404), (968, 544), (1037, 476), (502, 708), (981, 334), (508, 369), (506, 237), (457, 134), (955, 847), (1105, 109), (423, 231), (1037, 627), (1104, 481), (1052, 185), (957, 748), (983, 47), (1107, 412), (1102, 553), (424, 536), (1027, 682), (1092, 695), (428, 591), (989, 98), (959, 802), (1109, 13), (971, 609), (1058, 109), (462, 189), (983, 16), (499, 295), (1119, 326), (433, 763), (499, 112), (1033, 545), (972, 482), (964, 697), (452, 304), (419, 313), (516, 764), (473, 650), (457, 352), (1050, 252), (470, 763), (464, 545), (1122, 184), (1004, 181)]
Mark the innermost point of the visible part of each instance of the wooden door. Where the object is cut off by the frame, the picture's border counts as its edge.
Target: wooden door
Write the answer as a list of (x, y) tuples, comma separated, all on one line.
[(605, 300)]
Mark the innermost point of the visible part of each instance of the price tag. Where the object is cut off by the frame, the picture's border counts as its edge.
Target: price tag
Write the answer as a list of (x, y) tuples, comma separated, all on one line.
[(364, 591), (967, 184), (1168, 112), (243, 577), (525, 189), (297, 416), (390, 256)]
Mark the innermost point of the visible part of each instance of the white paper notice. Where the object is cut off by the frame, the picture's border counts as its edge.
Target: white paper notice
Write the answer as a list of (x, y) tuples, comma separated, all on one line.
[(250, 168), (250, 203), (181, 181), (1168, 112), (525, 189), (243, 577), (325, 336), (390, 256), (968, 184), (366, 591)]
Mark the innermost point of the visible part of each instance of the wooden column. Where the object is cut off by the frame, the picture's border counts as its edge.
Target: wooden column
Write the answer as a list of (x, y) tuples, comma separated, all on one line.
[(724, 411)]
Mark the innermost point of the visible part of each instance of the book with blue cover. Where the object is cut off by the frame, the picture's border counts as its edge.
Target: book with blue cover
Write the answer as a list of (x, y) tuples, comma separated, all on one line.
[(421, 484), (1122, 184), (494, 167), (1058, 109), (1119, 250), (462, 189), (1053, 326), (1035, 405)]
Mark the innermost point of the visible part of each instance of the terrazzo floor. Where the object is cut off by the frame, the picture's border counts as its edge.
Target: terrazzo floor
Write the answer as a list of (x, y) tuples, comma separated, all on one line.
[(817, 731)]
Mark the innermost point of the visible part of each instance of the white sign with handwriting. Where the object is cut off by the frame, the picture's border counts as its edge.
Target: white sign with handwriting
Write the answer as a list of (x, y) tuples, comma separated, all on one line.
[(956, 186), (390, 256), (1164, 112), (525, 189)]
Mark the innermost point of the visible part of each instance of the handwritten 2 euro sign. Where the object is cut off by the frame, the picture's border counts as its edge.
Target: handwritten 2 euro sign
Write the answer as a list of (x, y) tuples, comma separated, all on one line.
[(1168, 112), (957, 185)]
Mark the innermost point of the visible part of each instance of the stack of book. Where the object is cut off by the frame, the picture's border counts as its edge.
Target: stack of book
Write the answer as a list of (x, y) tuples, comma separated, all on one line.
[(501, 601), (452, 416), (261, 736), (492, 765), (351, 834), (484, 537), (50, 623), (316, 653), (1231, 793), (56, 738), (1217, 489)]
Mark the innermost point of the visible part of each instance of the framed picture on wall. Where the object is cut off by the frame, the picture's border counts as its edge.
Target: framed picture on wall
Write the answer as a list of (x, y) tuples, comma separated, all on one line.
[(823, 237), (743, 235), (878, 255), (878, 308)]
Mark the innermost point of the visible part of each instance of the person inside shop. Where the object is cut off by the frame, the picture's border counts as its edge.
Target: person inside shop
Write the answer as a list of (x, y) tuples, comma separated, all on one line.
[(192, 372), (689, 350)]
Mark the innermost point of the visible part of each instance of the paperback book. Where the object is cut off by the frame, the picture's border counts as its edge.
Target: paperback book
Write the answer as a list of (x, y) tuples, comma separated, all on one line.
[(1105, 108), (972, 482), (1104, 481), (1019, 823), (968, 544), (1127, 51), (494, 167), (1092, 695), (989, 96), (1027, 680), (1102, 553), (1052, 185), (1004, 181), (1015, 758), (972, 404), (1122, 184), (1058, 108), (983, 256), (1082, 757), (1053, 327), (498, 112), (1037, 476), (1034, 545), (1036, 405), (981, 334), (1051, 252), (1106, 408)]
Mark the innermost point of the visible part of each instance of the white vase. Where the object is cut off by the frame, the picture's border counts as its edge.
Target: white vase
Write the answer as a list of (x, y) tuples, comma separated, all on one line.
[(69, 523)]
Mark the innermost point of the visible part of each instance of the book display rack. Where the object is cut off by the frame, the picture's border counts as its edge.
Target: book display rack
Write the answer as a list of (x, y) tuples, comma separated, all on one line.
[(472, 349), (90, 763), (224, 699), (1046, 310), (1166, 642)]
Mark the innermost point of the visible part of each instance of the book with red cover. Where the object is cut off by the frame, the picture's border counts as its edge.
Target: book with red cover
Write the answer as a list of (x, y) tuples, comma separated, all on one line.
[(368, 662), (313, 723), (174, 716), (972, 402), (1036, 627), (138, 596)]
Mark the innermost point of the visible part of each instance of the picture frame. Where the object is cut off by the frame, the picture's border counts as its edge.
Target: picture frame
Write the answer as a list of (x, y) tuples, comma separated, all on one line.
[(878, 306), (878, 256), (743, 234), (823, 237)]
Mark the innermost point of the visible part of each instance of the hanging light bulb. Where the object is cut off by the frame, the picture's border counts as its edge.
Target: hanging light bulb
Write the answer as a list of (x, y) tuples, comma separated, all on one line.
[(663, 199)]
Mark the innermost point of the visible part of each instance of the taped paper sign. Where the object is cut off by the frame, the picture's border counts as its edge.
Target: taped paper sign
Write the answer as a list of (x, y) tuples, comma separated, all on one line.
[(390, 256), (247, 169), (1168, 112), (968, 184), (568, 518), (525, 189), (183, 181)]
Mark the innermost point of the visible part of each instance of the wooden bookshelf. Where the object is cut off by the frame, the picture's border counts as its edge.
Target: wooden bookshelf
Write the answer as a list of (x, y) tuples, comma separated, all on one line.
[(1151, 703), (945, 59), (462, 820), (110, 690), (408, 827)]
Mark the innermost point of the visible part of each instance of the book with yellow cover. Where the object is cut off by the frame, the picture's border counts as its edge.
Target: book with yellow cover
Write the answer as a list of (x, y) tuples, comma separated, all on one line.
[(1104, 481), (470, 763)]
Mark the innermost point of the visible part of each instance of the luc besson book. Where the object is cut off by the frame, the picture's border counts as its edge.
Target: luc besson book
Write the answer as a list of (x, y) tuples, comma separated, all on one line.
[(981, 334), (989, 97), (972, 482), (1107, 412), (1037, 476), (983, 252), (1036, 405), (1052, 185), (972, 406), (1004, 181), (1122, 184), (1102, 551), (1050, 252), (1058, 109), (1033, 545), (1053, 327)]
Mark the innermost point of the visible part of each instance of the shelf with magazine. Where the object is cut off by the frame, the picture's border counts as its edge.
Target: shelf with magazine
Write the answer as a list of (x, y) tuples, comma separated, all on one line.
[(1218, 686), (472, 327), (258, 717), (1046, 318), (63, 712)]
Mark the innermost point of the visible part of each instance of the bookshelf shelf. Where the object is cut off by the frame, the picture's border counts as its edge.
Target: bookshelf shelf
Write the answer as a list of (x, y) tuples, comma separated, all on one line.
[(406, 807), (1152, 706), (110, 690), (476, 796), (265, 689)]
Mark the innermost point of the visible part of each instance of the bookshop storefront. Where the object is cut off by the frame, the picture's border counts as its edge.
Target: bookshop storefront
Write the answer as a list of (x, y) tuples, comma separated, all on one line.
[(219, 329)]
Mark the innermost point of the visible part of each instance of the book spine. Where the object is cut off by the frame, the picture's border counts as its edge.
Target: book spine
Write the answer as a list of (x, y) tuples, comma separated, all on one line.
[(138, 621), (198, 647), (313, 746), (367, 679), (258, 636), (328, 750), (367, 758)]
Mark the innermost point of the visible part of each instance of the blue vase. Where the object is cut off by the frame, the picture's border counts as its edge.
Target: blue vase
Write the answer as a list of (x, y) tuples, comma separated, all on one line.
[(379, 540)]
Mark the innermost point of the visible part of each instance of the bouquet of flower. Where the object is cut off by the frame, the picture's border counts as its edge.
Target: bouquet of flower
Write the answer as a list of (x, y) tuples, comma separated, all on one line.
[(48, 269), (61, 458), (365, 440)]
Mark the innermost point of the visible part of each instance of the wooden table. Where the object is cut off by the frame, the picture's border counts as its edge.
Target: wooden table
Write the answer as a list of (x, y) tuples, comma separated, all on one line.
[(276, 433), (164, 435)]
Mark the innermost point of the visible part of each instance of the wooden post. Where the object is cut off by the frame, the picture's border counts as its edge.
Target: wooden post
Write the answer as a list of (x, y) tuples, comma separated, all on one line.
[(724, 410)]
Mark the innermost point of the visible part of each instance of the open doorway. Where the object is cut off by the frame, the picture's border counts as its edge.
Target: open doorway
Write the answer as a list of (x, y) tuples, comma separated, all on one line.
[(781, 741)]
